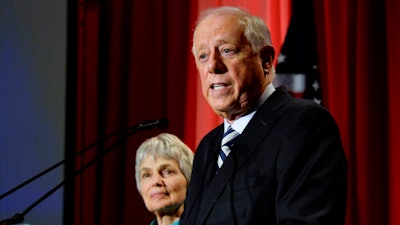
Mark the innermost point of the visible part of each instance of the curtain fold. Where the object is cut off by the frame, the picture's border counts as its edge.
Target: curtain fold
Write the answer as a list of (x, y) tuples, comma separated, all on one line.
[(86, 113), (393, 56)]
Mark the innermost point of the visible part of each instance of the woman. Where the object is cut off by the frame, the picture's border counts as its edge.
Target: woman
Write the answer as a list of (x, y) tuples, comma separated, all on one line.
[(162, 171)]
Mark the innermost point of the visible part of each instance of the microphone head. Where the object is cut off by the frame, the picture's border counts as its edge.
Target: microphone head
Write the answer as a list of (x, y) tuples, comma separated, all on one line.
[(162, 123)]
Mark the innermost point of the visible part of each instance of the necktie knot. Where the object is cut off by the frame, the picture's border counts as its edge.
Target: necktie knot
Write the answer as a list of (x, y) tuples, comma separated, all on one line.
[(228, 140)]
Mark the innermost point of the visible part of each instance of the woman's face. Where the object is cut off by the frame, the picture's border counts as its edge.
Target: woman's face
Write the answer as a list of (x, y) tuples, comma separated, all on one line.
[(162, 185)]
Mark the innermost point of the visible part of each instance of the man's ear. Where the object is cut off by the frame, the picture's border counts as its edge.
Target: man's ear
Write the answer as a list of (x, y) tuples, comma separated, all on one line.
[(267, 55)]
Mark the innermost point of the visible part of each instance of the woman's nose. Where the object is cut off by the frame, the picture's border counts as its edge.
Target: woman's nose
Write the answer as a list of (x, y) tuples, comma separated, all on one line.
[(157, 180)]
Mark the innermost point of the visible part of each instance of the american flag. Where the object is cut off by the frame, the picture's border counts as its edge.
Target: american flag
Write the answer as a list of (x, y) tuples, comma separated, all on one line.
[(297, 63)]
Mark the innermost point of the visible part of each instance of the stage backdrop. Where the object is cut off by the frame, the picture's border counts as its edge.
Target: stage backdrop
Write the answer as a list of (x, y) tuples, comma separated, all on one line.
[(133, 63)]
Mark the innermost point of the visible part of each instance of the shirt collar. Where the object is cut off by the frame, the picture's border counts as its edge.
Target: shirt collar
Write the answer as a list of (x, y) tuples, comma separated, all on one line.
[(241, 123)]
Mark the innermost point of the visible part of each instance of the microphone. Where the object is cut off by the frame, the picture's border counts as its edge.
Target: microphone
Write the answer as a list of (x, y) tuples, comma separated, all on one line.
[(145, 125)]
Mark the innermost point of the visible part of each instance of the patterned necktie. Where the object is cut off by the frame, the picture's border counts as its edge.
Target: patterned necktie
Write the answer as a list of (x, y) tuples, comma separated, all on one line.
[(227, 142)]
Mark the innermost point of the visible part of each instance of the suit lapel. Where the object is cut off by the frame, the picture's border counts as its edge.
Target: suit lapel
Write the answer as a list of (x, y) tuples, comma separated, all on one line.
[(244, 147)]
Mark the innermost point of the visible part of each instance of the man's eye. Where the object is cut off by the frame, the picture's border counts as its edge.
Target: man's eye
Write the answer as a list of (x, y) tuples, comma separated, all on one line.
[(202, 57), (227, 51)]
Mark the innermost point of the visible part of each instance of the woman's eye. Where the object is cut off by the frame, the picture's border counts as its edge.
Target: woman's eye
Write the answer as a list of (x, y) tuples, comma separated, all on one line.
[(167, 172)]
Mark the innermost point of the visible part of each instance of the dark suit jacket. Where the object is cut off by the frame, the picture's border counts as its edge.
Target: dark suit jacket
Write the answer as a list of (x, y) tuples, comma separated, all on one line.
[(287, 167)]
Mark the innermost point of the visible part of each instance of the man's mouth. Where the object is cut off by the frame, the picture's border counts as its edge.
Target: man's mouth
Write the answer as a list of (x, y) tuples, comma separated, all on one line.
[(218, 86)]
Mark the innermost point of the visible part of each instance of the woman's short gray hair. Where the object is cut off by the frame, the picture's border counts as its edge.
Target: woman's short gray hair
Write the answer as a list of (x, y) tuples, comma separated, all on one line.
[(166, 146)]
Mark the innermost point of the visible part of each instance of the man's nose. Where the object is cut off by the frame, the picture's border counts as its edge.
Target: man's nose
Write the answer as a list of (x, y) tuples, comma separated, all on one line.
[(216, 64)]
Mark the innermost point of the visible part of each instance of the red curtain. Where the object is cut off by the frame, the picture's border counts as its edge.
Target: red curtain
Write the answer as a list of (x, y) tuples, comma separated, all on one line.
[(131, 67), (392, 35), (358, 45), (134, 64)]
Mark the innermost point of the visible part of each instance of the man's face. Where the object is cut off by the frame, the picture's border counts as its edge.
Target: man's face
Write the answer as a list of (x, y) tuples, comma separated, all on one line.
[(231, 75)]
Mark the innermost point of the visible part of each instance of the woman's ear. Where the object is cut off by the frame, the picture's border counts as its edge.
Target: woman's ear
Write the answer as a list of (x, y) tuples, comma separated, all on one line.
[(267, 55)]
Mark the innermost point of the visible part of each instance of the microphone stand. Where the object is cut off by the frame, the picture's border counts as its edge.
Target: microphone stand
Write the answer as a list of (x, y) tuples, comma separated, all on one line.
[(19, 217)]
